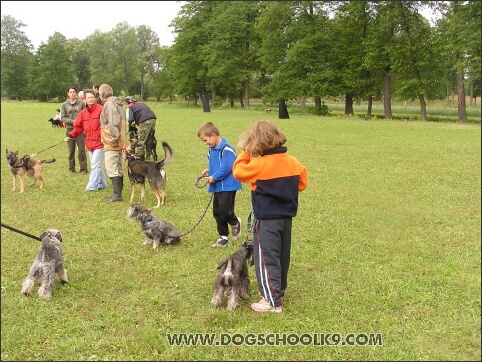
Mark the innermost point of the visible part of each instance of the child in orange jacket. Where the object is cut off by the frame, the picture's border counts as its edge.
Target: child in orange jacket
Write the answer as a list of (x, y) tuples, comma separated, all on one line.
[(276, 179)]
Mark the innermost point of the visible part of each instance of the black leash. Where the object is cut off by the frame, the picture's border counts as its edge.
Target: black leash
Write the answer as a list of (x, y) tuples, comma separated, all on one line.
[(35, 154), (21, 232), (202, 217), (196, 183)]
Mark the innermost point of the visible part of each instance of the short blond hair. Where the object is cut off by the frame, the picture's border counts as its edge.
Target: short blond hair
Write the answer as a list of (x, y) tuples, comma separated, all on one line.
[(207, 129), (105, 91)]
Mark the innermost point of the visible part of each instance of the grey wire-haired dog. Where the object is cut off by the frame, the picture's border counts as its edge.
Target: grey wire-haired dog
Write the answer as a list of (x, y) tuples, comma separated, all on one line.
[(232, 281), (156, 230), (49, 261)]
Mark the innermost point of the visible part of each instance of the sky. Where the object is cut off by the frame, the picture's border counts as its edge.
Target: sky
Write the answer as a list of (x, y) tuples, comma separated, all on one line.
[(79, 19)]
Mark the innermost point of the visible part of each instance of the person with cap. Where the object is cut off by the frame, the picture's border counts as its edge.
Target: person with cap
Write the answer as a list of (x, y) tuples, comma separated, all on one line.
[(142, 117)]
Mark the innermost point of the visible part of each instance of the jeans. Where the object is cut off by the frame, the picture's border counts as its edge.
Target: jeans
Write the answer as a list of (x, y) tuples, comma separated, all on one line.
[(97, 178)]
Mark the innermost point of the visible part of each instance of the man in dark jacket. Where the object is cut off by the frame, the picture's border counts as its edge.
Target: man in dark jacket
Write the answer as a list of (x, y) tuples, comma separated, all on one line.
[(144, 119)]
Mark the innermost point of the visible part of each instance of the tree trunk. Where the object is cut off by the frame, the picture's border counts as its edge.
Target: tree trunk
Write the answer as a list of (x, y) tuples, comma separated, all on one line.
[(283, 110), (303, 103), (348, 104), (423, 107), (246, 94), (142, 87), (387, 99), (213, 97), (205, 102), (471, 95), (317, 103), (369, 108), (461, 93)]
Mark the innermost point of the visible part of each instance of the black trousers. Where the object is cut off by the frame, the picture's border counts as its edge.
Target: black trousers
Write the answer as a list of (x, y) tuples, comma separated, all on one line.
[(223, 211)]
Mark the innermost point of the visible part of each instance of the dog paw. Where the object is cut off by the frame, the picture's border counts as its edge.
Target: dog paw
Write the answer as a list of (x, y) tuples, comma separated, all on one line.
[(215, 302)]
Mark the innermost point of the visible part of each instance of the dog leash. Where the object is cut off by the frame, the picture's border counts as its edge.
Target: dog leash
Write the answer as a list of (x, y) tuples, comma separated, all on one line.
[(35, 154), (196, 182), (22, 232)]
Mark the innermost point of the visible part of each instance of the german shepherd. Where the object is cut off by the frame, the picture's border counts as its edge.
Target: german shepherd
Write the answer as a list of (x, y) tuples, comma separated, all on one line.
[(140, 170), (26, 166)]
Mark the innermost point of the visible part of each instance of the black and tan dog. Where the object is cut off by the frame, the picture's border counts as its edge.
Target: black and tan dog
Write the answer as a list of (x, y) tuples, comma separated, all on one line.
[(232, 280), (26, 166), (140, 170)]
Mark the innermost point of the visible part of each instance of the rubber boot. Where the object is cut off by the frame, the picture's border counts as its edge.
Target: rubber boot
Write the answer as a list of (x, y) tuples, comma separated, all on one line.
[(108, 198), (118, 184)]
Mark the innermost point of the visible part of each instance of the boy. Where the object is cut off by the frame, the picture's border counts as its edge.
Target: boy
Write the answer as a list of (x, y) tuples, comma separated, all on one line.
[(219, 174)]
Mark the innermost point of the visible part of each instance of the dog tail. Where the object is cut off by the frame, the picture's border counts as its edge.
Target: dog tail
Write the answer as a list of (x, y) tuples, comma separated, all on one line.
[(50, 160), (227, 276), (168, 153)]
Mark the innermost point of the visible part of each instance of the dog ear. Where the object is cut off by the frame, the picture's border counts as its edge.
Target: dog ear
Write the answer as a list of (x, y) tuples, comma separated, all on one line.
[(59, 236), (44, 234)]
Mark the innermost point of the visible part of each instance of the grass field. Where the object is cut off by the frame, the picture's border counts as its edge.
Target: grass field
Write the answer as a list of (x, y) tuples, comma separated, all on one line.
[(386, 246)]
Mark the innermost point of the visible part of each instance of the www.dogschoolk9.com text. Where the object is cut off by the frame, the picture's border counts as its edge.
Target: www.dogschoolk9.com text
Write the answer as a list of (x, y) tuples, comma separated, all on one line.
[(274, 339)]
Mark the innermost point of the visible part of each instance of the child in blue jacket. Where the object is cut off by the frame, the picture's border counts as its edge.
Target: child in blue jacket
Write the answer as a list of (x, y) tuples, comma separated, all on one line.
[(221, 156)]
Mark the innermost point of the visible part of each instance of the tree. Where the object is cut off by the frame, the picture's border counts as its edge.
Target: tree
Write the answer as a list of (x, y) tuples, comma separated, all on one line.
[(16, 54), (114, 58), (229, 54), (459, 34), (184, 59), (49, 73), (353, 26), (148, 53)]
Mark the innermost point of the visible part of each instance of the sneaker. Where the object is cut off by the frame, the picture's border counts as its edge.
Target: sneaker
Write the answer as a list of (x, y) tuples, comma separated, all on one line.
[(264, 306), (83, 172), (236, 230), (221, 242)]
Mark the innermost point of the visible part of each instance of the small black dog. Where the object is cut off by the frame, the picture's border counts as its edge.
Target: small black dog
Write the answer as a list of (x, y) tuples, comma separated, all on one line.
[(48, 263), (233, 278), (55, 122), (156, 230)]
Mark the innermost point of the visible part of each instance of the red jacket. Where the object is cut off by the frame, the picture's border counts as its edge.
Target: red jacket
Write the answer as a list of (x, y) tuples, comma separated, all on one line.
[(88, 121)]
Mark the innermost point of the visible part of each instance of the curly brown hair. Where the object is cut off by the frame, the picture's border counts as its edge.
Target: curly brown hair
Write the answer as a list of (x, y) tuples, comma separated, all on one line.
[(262, 136)]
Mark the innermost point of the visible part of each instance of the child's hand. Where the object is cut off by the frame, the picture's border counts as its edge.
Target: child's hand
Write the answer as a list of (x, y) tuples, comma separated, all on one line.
[(205, 173)]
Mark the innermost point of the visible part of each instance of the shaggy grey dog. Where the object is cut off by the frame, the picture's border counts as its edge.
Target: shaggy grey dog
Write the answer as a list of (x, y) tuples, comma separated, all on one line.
[(232, 281), (155, 229), (49, 261)]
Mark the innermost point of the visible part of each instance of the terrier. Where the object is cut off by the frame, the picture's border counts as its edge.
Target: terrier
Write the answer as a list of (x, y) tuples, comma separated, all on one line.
[(232, 281), (49, 261), (155, 229)]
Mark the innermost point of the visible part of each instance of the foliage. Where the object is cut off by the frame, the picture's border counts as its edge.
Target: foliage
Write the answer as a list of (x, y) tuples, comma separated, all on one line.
[(16, 55), (386, 240), (48, 64), (288, 50)]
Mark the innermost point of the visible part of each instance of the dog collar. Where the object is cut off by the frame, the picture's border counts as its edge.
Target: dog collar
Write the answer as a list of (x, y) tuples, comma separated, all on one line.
[(148, 220)]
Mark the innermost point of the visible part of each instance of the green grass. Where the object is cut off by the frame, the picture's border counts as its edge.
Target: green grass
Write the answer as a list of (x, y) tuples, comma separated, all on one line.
[(387, 240)]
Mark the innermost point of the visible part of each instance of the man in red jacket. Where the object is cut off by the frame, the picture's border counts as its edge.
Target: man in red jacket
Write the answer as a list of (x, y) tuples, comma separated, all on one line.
[(88, 122)]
